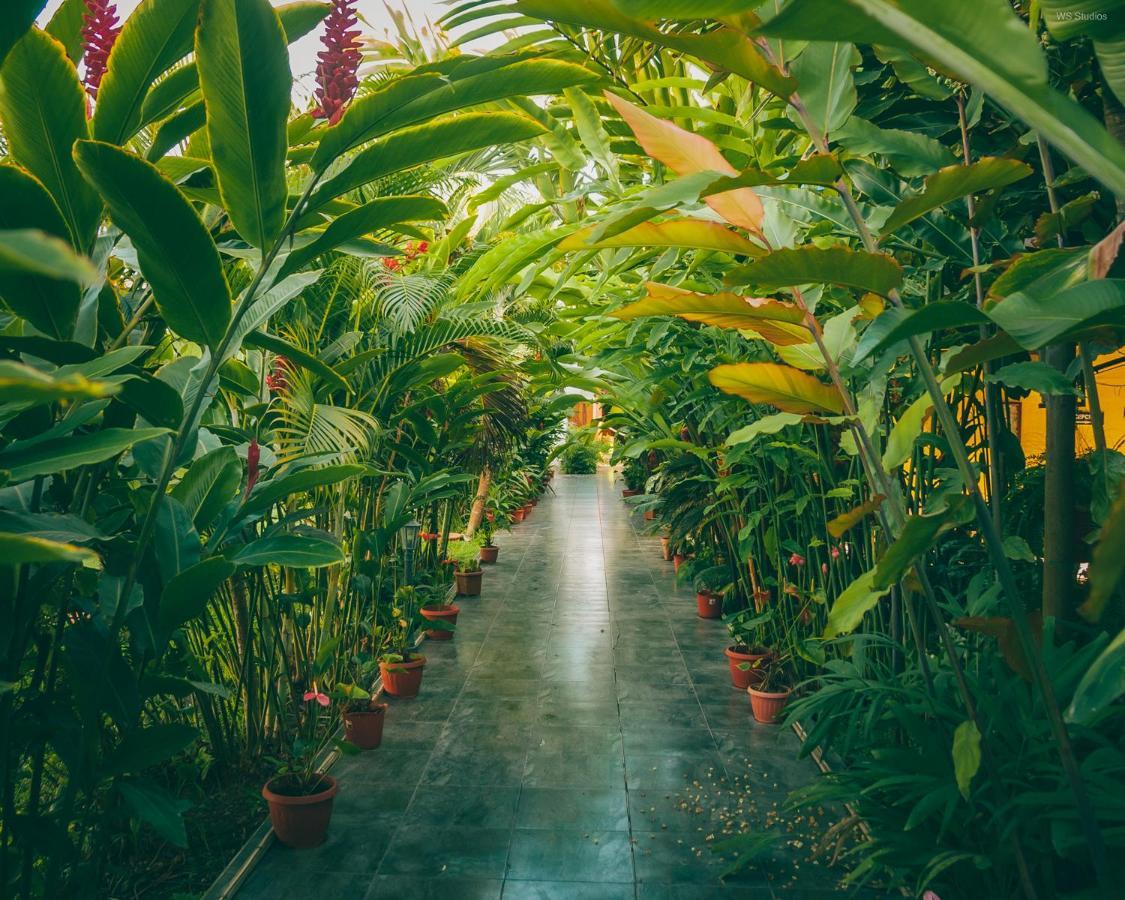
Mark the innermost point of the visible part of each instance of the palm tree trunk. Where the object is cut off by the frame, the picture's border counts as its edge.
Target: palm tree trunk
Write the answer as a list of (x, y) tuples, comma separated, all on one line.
[(477, 511)]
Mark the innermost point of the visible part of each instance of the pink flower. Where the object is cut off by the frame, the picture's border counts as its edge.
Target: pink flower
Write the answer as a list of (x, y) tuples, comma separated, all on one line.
[(278, 382), (834, 552), (796, 560), (320, 698), (99, 33), (253, 470), (930, 895), (824, 568), (338, 62)]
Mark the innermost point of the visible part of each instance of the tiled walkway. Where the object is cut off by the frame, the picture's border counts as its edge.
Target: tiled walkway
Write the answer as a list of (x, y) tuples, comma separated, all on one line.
[(579, 738)]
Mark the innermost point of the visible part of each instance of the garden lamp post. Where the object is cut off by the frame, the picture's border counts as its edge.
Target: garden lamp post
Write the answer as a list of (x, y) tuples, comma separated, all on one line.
[(408, 537)]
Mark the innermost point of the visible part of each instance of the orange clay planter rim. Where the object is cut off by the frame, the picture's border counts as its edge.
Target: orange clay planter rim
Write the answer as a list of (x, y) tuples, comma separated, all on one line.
[(412, 663), (433, 611), (770, 695), (748, 655), (300, 799)]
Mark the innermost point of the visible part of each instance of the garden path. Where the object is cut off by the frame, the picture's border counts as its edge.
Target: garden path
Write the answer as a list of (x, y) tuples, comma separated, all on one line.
[(579, 738)]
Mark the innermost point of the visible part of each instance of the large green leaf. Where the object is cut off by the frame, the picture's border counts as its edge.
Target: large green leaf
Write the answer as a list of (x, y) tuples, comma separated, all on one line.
[(62, 527), (244, 75), (175, 250), (296, 355), (412, 147), (1102, 684), (154, 804), (853, 604), (788, 267), (783, 387), (156, 35), (1108, 564), (953, 182), (696, 234), (966, 755), (897, 324), (39, 278), (1037, 319), (679, 9), (269, 492), (297, 550), (826, 85), (776, 321), (724, 48), (20, 384), (209, 484), (43, 112), (186, 595), (54, 457), (363, 220), (146, 747), (419, 98), (900, 442), (16, 21), (984, 43), (16, 549)]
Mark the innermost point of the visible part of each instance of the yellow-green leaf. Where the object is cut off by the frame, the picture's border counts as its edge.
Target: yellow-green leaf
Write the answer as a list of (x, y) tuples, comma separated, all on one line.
[(695, 234), (875, 272), (783, 387), (775, 321), (686, 153)]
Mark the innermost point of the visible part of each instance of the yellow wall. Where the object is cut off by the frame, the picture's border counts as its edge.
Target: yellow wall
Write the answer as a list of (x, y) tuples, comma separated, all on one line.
[(1030, 417)]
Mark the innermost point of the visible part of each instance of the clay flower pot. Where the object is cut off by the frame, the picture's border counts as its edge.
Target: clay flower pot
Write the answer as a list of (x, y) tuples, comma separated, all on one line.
[(677, 561), (768, 705), (751, 676), (526, 510), (299, 820), (650, 515), (364, 728), (629, 492), (708, 605), (447, 614), (468, 583), (489, 554), (517, 515), (402, 679), (666, 548)]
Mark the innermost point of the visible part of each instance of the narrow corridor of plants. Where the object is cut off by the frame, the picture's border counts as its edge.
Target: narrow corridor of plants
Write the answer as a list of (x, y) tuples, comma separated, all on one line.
[(287, 339)]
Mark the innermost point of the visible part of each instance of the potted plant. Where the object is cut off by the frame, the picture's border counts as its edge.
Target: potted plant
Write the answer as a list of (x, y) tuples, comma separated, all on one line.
[(400, 665), (488, 550), (300, 797), (710, 583), (635, 473), (666, 547), (467, 572), (769, 697), (363, 718), (440, 616), (747, 654)]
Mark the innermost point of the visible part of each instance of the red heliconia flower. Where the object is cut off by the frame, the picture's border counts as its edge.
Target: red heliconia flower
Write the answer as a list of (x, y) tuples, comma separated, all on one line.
[(835, 552), (796, 560), (278, 382), (338, 64), (390, 263), (253, 465), (100, 29)]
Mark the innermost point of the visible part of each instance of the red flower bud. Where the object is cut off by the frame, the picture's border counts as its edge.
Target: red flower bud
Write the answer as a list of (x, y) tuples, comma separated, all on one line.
[(796, 560), (253, 470), (338, 65), (99, 33)]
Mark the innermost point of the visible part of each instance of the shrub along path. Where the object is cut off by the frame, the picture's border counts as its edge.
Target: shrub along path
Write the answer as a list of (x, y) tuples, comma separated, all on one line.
[(579, 738)]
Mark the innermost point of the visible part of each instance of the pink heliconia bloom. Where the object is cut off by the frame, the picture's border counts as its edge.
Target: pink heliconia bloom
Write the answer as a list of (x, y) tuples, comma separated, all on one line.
[(100, 29), (336, 71), (253, 465), (796, 560), (320, 698)]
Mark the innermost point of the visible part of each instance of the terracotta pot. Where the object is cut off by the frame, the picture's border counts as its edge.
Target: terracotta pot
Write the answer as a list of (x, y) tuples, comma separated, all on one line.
[(666, 548), (447, 614), (767, 705), (365, 728), (468, 583), (402, 679), (629, 492), (299, 822), (526, 510), (708, 605), (517, 515), (489, 554), (677, 561), (650, 514), (748, 677)]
